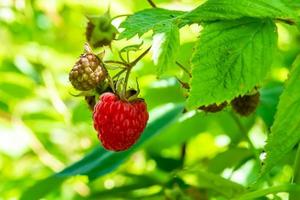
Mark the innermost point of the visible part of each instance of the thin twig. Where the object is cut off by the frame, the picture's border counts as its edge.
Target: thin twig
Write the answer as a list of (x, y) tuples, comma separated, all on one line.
[(118, 16), (287, 21), (133, 63), (117, 62), (152, 3), (119, 73), (126, 79), (184, 69)]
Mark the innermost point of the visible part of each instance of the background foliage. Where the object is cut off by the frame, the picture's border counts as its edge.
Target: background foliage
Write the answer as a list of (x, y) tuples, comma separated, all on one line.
[(44, 129)]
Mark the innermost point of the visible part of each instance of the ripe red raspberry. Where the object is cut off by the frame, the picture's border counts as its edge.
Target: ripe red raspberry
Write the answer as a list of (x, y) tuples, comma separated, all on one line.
[(119, 123)]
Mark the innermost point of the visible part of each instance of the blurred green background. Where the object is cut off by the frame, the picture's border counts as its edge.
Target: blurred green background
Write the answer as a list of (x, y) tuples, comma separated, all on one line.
[(43, 128)]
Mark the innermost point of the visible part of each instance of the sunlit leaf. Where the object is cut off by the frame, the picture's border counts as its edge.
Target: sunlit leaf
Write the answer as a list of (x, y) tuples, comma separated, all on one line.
[(230, 59)]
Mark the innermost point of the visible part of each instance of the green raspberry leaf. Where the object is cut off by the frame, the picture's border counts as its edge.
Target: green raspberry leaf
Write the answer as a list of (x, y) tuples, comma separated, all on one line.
[(145, 20), (213, 10), (165, 45), (230, 59), (285, 130)]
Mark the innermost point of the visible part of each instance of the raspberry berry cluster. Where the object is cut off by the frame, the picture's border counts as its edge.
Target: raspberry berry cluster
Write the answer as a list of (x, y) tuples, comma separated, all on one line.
[(119, 115)]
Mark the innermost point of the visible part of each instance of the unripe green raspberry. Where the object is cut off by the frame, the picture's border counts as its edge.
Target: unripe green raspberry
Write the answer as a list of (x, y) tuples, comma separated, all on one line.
[(99, 31), (87, 73)]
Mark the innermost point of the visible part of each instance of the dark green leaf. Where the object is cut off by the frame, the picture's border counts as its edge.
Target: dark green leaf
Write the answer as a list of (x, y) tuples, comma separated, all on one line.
[(269, 98), (230, 59), (166, 164)]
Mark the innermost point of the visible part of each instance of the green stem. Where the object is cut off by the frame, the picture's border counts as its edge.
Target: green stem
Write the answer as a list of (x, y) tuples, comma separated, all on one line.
[(124, 15), (133, 63), (130, 66), (296, 177), (110, 80), (271, 190), (119, 73), (252, 147), (116, 62), (126, 79), (245, 133)]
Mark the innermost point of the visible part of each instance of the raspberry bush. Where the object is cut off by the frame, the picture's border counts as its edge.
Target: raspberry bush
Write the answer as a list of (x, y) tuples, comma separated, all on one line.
[(162, 99)]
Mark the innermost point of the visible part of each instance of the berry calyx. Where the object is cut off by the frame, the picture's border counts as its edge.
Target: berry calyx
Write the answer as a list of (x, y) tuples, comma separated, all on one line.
[(87, 73), (213, 108), (119, 123), (245, 105)]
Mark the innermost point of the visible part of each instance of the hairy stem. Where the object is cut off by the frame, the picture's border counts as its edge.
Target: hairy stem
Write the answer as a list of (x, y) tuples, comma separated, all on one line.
[(296, 176)]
